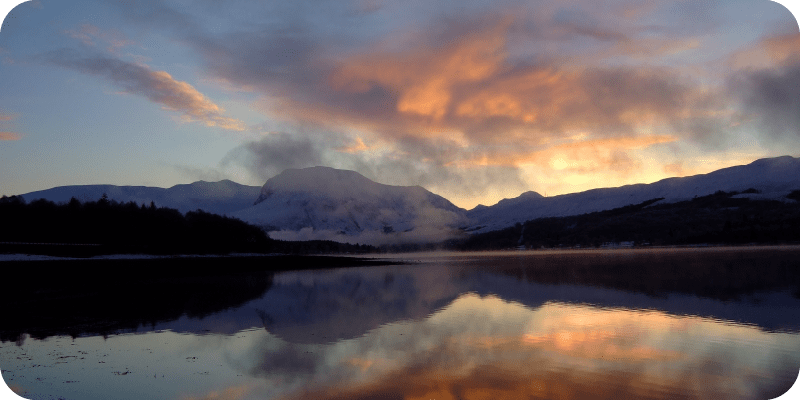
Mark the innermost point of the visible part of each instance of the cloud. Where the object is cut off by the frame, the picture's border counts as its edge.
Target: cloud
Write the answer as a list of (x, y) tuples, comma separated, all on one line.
[(675, 169), (773, 95), (406, 162), (89, 35), (464, 77), (9, 136), (423, 103), (769, 52), (276, 152), (577, 154), (7, 117), (201, 174), (466, 87), (157, 86), (85, 34)]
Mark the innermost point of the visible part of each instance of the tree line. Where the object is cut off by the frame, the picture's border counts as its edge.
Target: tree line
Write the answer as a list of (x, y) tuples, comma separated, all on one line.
[(108, 226)]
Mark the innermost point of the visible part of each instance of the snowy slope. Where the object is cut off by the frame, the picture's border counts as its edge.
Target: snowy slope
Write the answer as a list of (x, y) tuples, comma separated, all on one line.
[(774, 177), (327, 203), (221, 197)]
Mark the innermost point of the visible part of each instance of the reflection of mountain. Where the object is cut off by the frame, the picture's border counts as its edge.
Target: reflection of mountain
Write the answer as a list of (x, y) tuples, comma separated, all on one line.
[(99, 297), (748, 286), (344, 304)]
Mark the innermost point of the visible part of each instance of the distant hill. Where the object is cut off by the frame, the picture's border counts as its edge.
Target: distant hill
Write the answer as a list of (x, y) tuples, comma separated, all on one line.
[(774, 178), (721, 218), (221, 197)]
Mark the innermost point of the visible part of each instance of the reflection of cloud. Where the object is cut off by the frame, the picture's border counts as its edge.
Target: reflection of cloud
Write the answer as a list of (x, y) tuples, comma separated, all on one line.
[(478, 348), (158, 86)]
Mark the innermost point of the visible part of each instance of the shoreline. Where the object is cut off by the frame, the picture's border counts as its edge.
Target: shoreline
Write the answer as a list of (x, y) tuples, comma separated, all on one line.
[(29, 257)]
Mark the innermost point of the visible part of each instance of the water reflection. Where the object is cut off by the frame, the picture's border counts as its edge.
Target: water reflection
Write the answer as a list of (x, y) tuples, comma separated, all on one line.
[(487, 348), (658, 324)]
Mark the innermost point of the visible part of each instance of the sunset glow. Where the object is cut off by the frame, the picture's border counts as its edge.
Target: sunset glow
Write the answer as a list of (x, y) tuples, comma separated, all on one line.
[(475, 103)]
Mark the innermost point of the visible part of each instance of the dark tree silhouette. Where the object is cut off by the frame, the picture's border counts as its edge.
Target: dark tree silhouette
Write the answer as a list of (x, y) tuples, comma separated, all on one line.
[(113, 227)]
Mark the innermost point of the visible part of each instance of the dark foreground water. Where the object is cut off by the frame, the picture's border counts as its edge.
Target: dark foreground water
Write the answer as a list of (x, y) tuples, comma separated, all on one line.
[(696, 323)]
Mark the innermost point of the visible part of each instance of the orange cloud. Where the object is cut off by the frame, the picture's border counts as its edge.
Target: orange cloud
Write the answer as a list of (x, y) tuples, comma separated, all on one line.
[(158, 86), (653, 47), (675, 169), (357, 147), (469, 88), (84, 33), (6, 117), (9, 136), (600, 153), (769, 52)]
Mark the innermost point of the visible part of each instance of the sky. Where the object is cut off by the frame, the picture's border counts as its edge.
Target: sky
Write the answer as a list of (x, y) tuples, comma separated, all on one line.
[(474, 100)]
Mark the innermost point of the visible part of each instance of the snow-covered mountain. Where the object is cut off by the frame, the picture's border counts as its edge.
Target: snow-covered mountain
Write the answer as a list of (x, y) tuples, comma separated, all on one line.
[(340, 205), (328, 203), (773, 177), (221, 197)]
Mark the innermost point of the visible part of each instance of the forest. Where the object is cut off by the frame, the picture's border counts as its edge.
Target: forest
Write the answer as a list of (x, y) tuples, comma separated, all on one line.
[(106, 226)]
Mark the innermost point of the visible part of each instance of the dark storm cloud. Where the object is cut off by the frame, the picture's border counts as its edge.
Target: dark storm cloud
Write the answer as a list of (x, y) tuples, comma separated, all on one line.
[(276, 152), (774, 96)]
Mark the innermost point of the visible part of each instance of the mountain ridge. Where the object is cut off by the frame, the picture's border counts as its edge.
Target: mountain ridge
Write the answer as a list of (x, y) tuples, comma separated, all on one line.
[(221, 197), (333, 204), (772, 177)]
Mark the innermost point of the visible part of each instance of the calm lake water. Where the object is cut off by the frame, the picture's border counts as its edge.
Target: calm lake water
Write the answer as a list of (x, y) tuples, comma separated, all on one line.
[(691, 323)]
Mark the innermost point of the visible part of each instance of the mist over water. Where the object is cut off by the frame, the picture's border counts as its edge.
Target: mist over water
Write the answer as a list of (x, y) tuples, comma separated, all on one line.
[(688, 323)]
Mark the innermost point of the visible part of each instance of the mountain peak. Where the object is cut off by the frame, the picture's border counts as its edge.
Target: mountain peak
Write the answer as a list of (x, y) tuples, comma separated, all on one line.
[(530, 195), (329, 203), (775, 161), (332, 182)]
